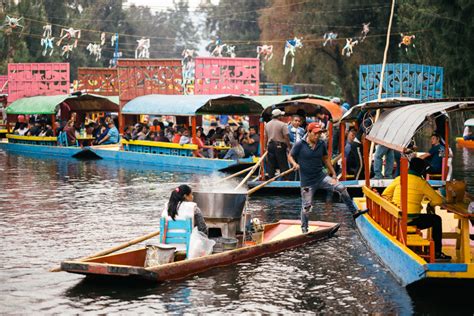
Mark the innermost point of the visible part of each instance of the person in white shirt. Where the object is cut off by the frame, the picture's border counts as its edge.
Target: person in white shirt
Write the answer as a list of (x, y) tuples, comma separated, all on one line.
[(181, 206)]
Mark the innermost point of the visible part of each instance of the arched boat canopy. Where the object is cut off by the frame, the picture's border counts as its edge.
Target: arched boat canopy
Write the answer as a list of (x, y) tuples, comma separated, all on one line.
[(353, 113), (51, 104), (396, 127), (192, 105), (311, 107)]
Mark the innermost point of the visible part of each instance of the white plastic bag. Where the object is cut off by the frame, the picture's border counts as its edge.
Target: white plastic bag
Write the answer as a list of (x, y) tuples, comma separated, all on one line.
[(199, 244)]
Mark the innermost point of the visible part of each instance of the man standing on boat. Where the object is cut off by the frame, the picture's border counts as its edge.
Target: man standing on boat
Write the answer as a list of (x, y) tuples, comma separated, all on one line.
[(278, 144), (418, 188), (309, 155)]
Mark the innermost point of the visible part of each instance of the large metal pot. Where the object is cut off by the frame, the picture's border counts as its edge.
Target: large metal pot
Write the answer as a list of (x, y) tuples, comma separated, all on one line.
[(221, 205)]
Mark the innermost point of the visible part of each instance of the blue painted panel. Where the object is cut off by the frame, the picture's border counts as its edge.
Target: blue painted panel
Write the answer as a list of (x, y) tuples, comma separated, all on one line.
[(402, 265), (447, 267), (401, 80)]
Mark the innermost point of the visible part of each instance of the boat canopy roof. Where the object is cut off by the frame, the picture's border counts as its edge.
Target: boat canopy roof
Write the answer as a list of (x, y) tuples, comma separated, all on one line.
[(269, 100), (311, 106), (76, 103), (469, 122), (191, 105), (353, 112), (396, 127)]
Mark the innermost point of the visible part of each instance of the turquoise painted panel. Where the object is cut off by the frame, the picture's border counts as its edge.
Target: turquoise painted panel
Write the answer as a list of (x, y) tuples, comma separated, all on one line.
[(401, 80), (403, 266), (447, 267)]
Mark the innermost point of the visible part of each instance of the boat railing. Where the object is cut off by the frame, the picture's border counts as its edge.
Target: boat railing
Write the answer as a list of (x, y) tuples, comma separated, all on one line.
[(384, 213), (163, 148), (33, 140)]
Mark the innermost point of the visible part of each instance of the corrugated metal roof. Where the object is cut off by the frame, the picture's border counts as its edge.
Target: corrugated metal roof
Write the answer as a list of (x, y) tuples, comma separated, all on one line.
[(395, 128), (190, 105)]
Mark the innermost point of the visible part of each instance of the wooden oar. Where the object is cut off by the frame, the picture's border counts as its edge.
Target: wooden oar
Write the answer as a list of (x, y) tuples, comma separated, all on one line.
[(258, 187), (238, 173), (251, 171), (113, 249)]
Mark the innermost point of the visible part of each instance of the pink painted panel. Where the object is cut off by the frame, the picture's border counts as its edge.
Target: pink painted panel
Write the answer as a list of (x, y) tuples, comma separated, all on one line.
[(33, 79), (226, 76), (3, 84)]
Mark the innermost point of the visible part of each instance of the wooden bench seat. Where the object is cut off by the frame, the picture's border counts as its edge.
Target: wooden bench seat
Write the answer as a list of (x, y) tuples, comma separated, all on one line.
[(425, 246)]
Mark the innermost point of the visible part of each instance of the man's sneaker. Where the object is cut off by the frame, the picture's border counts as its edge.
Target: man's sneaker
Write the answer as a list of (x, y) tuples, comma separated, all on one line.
[(442, 257), (359, 213)]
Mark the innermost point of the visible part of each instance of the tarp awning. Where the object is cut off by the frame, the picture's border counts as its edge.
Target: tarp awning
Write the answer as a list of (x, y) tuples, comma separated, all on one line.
[(309, 105), (191, 105), (51, 104), (395, 128)]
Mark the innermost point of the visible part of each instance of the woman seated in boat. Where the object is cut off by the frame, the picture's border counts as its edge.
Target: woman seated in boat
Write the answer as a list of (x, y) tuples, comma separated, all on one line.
[(181, 206), (203, 151)]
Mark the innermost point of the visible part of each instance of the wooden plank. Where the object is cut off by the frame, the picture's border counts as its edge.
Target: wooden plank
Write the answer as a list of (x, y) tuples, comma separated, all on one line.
[(386, 205)]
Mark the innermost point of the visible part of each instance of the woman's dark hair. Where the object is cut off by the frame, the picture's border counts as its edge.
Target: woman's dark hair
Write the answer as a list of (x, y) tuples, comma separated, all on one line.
[(177, 196)]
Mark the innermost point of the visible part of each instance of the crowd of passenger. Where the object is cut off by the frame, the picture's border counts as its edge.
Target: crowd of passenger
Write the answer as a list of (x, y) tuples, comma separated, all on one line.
[(227, 142)]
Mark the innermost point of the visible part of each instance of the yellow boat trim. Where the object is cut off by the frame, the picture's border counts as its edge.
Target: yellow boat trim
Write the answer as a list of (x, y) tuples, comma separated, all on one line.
[(159, 144), (33, 138), (469, 274), (3, 131)]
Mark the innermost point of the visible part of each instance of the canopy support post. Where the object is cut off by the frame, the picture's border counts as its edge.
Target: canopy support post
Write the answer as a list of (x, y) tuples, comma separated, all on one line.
[(262, 148), (342, 131), (193, 129), (404, 197), (330, 136), (446, 150), (53, 122), (366, 162)]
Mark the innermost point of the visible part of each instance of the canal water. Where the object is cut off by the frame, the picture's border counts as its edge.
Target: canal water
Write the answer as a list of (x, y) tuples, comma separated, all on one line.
[(57, 209)]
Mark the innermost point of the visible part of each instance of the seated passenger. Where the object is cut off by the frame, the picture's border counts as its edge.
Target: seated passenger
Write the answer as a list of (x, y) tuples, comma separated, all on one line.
[(35, 130), (418, 188), (235, 152), (181, 206), (251, 142), (112, 136), (185, 139), (47, 132), (22, 129), (203, 150), (467, 134), (127, 134), (162, 138), (435, 155), (177, 136), (144, 133)]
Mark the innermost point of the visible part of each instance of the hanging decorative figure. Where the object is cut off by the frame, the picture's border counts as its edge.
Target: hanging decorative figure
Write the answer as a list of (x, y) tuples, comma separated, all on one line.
[(266, 51), (95, 49), (113, 39), (66, 49), (407, 40), (11, 23), (230, 51), (102, 39), (290, 48), (329, 37), (365, 31), (47, 42), (142, 50), (348, 48), (214, 47), (69, 34)]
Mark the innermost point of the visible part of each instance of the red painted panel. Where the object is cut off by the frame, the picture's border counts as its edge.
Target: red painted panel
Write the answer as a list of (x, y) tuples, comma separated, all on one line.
[(101, 81), (226, 76), (151, 76), (3, 84), (33, 79)]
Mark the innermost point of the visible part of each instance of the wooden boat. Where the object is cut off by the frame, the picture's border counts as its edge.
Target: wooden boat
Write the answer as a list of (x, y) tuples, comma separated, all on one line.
[(277, 237), (405, 251)]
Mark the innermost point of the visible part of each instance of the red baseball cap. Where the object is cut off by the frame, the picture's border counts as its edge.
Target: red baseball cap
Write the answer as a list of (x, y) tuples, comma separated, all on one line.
[(316, 125)]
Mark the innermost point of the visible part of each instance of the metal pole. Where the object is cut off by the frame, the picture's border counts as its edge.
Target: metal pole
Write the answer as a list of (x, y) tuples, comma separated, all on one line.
[(342, 129)]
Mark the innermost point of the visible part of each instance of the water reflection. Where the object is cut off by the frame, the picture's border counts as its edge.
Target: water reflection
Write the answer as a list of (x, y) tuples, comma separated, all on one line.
[(57, 209)]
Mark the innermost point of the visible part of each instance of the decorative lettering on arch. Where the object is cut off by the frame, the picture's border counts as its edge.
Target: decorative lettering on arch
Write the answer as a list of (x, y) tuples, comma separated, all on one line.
[(151, 76), (101, 81), (33, 79), (226, 76), (401, 80)]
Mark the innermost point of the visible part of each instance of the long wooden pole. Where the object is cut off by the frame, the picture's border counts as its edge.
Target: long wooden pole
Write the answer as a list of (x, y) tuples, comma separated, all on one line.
[(238, 173), (382, 74), (258, 187), (251, 171), (113, 249)]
